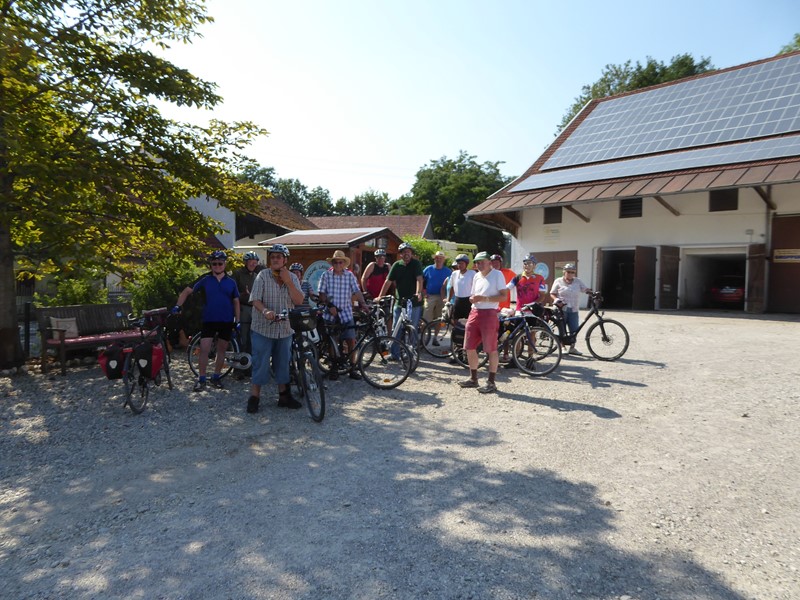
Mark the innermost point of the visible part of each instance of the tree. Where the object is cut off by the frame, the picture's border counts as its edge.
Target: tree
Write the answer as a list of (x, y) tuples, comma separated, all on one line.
[(448, 188), (91, 174), (617, 79), (320, 203), (794, 46), (293, 193)]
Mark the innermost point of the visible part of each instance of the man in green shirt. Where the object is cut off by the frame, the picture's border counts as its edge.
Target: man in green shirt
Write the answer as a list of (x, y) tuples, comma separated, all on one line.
[(406, 274)]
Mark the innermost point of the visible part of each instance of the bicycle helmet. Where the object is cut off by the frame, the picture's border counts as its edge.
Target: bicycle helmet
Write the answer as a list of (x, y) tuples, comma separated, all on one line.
[(251, 256), (279, 248), (217, 255), (462, 257), (569, 267), (529, 258), (405, 245), (296, 267), (496, 257), (380, 252)]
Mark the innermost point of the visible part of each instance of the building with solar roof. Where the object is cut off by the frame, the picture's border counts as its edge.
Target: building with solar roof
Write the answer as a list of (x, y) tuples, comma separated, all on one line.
[(662, 193)]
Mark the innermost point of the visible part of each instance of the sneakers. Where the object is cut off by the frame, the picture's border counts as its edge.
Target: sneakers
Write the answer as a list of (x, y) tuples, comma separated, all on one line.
[(285, 400), (489, 388), (469, 383), (574, 351), (354, 374), (252, 404), (216, 382), (200, 386)]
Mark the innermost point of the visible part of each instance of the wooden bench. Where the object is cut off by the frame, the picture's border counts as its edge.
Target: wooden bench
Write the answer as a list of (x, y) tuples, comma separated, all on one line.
[(98, 325)]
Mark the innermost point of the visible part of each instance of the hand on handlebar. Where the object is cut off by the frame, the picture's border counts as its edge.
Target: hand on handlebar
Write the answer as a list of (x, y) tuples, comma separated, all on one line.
[(175, 310)]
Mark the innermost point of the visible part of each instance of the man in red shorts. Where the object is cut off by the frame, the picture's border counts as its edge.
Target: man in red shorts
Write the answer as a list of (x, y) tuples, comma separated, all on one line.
[(488, 291)]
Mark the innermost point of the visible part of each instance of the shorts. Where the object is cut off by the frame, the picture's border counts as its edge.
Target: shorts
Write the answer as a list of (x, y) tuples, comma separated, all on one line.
[(482, 327), (270, 355), (219, 328)]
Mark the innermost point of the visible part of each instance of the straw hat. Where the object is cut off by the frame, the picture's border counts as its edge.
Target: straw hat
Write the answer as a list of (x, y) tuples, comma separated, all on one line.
[(339, 255)]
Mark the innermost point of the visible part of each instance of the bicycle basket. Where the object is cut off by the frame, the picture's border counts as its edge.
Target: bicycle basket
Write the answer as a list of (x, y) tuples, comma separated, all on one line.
[(303, 319)]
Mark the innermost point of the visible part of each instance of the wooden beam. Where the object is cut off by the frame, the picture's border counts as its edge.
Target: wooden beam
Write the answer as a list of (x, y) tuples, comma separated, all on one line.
[(766, 196), (507, 222), (575, 212), (667, 205)]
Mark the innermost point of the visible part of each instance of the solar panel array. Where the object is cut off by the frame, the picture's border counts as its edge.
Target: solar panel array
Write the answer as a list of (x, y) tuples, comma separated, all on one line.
[(689, 159), (742, 104)]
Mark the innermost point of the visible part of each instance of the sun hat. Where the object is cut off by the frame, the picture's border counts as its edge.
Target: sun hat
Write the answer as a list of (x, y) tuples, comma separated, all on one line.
[(439, 253), (339, 255)]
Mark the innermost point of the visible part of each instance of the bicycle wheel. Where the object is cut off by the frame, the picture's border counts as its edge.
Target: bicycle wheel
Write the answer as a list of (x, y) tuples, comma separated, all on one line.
[(330, 358), (137, 387), (460, 355), (436, 338), (193, 356), (409, 337), (536, 352), (607, 339), (312, 388), (384, 362)]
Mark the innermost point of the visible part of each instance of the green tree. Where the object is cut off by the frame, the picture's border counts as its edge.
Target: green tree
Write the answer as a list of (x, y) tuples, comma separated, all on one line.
[(616, 79), (423, 249), (794, 46), (320, 203), (293, 193), (446, 189), (91, 173)]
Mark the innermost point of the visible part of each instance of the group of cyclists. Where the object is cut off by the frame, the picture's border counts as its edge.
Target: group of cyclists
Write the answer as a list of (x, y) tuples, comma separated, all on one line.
[(254, 296)]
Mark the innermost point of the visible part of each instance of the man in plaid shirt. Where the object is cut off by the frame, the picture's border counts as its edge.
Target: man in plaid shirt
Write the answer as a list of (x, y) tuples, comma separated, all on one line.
[(336, 289)]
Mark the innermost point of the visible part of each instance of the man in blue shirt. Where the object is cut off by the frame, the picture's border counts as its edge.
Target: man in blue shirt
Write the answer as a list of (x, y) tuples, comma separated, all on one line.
[(220, 315), (435, 277)]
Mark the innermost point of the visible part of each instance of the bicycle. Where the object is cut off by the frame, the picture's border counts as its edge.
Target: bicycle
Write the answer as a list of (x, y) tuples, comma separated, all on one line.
[(383, 361), (305, 375), (525, 337), (135, 377), (436, 335), (404, 331), (606, 339), (234, 359)]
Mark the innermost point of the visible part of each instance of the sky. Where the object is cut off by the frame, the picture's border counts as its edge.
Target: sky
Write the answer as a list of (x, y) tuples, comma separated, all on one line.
[(358, 95)]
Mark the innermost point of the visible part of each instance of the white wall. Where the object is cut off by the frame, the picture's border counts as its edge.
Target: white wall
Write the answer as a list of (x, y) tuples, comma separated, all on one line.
[(211, 208), (696, 227)]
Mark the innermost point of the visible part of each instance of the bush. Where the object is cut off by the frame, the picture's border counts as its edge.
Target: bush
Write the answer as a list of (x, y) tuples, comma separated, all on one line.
[(73, 291), (159, 283), (423, 249)]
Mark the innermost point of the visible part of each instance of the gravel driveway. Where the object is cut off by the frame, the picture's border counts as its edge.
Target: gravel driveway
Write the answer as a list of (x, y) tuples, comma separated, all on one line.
[(671, 473)]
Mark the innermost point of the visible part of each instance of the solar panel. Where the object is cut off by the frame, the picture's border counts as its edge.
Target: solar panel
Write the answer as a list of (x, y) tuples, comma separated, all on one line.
[(688, 159), (747, 103)]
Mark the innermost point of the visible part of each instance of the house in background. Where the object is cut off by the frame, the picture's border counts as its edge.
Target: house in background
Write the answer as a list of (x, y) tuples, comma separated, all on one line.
[(660, 193), (401, 225), (311, 248)]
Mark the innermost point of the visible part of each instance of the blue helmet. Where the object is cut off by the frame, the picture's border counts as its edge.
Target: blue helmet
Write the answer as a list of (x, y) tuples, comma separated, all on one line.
[(296, 267), (529, 258), (279, 249), (217, 255), (251, 256)]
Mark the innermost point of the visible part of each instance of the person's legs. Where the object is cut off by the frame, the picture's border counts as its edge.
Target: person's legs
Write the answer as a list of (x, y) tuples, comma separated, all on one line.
[(262, 352), (202, 360), (573, 321), (281, 350), (472, 339)]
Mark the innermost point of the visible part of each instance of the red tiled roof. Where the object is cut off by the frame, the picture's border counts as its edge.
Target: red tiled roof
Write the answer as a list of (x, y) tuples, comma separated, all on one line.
[(401, 225)]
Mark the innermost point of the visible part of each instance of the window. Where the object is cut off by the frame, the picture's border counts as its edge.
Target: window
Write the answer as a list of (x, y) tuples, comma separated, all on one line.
[(630, 208), (719, 200), (552, 214)]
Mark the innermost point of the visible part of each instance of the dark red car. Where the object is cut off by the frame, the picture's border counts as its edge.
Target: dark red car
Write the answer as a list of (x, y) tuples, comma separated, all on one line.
[(728, 291)]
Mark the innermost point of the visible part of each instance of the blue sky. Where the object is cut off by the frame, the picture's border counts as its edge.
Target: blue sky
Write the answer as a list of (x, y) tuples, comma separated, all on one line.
[(360, 94)]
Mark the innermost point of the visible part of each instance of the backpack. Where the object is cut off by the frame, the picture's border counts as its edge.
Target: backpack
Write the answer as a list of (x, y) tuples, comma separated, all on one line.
[(148, 358), (111, 360)]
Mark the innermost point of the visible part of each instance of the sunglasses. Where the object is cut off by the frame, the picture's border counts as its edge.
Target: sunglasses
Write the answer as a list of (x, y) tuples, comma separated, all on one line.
[(217, 264)]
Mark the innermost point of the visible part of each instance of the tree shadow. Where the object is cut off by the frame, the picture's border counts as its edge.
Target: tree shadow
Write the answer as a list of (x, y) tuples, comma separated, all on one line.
[(198, 500)]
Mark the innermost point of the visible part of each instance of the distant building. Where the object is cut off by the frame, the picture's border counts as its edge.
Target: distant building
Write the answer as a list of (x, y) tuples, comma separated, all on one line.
[(402, 225), (660, 193)]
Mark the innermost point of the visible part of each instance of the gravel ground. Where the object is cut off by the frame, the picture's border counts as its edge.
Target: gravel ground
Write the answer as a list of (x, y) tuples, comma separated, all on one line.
[(671, 473)]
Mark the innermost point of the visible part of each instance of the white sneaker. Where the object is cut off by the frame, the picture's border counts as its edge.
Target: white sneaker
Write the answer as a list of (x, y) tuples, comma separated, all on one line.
[(574, 351)]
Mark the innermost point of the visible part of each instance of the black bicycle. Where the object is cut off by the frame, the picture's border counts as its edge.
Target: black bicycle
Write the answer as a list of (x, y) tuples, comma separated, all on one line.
[(305, 375), (383, 361), (524, 339), (606, 339), (145, 359)]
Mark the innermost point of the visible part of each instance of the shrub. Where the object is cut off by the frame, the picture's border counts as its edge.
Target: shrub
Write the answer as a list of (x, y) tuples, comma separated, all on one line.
[(159, 283), (73, 291), (424, 249)]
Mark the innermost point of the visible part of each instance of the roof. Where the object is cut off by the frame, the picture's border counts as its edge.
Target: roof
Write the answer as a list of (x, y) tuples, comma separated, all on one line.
[(737, 127), (328, 238), (401, 225), (276, 211)]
